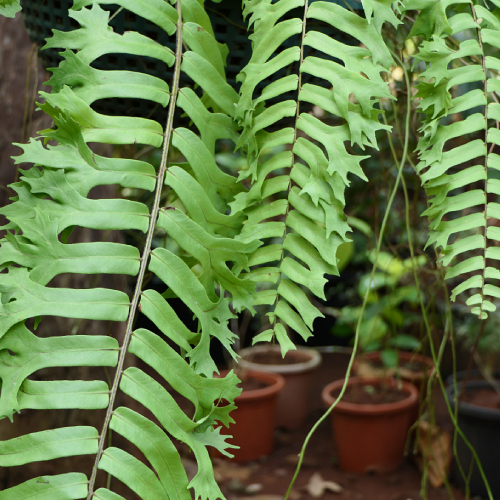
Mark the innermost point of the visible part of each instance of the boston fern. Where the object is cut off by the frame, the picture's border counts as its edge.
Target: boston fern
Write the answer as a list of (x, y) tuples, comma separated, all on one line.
[(453, 184), (296, 198), (262, 241), (52, 198)]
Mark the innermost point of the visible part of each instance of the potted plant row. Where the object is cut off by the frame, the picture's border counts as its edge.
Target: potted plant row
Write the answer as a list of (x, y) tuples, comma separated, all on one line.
[(275, 394), (370, 423)]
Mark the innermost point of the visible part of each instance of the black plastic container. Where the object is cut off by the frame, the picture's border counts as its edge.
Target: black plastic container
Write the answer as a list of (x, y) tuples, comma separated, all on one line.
[(481, 426)]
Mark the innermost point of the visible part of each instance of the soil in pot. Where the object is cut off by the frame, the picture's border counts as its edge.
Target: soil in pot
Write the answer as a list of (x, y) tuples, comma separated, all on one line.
[(485, 397), (297, 368), (252, 384), (371, 394), (274, 357), (253, 430), (371, 435), (413, 368)]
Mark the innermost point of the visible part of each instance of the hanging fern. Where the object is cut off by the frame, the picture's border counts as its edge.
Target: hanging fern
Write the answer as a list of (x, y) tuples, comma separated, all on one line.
[(265, 248), (52, 198), (296, 198), (462, 219)]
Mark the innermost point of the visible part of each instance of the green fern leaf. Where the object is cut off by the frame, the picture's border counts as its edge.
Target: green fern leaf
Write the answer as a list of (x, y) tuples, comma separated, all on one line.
[(22, 299), (30, 353), (447, 173), (72, 486), (9, 8), (47, 445), (156, 11), (91, 84), (311, 223), (95, 38)]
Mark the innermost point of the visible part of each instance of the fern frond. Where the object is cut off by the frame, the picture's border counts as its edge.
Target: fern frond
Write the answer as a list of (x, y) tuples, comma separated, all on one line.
[(52, 198), (297, 196), (461, 214), (9, 8)]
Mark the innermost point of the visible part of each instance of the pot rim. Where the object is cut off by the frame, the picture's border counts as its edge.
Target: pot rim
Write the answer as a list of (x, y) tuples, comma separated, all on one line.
[(313, 362), (370, 409), (277, 382), (469, 409), (460, 375)]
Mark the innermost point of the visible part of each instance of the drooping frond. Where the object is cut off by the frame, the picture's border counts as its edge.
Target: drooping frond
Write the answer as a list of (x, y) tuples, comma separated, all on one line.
[(52, 198), (296, 196), (461, 180)]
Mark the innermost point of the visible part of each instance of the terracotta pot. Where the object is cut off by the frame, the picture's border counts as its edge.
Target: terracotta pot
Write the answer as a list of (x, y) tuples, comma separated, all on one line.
[(363, 367), (371, 437), (253, 430), (293, 401)]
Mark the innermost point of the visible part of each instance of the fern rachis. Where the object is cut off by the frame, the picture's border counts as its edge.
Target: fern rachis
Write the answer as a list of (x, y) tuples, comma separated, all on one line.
[(308, 198)]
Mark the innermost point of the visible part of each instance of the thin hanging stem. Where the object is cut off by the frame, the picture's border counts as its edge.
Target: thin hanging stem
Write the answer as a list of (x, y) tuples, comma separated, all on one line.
[(116, 13), (365, 300), (453, 351), (147, 249), (437, 361), (436, 358)]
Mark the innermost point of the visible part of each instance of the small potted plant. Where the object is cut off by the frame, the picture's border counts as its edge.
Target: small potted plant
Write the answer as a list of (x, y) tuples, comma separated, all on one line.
[(371, 422), (387, 351)]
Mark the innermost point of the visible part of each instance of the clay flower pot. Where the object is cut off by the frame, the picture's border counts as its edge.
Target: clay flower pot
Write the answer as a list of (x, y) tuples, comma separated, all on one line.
[(253, 430), (371, 437), (297, 368), (480, 424)]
